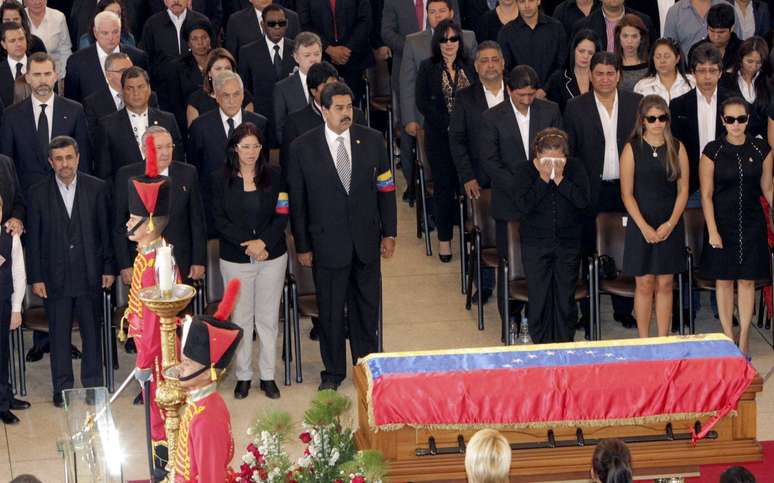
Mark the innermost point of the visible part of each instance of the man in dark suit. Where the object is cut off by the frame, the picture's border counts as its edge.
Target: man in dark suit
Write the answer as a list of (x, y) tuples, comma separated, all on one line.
[(212, 9), (343, 214), (12, 83), (119, 134), (185, 231), (345, 35), (28, 126), (246, 25), (292, 94), (86, 68), (610, 11), (70, 260), (598, 124), (267, 60)]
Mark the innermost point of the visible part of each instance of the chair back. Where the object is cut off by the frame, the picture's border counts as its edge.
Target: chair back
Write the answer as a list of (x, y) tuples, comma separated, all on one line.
[(302, 275), (274, 158), (422, 155), (481, 218), (378, 79), (611, 236), (515, 264), (31, 301), (694, 231), (213, 276), (122, 293)]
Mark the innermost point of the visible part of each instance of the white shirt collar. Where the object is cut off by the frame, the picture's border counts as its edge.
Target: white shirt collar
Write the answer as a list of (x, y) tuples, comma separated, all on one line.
[(12, 63), (702, 99), (177, 20), (271, 45), (65, 187), (493, 99), (135, 115), (165, 172), (48, 102), (236, 117), (331, 136)]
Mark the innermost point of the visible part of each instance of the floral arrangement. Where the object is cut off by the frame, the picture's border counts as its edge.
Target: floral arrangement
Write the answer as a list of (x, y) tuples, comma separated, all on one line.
[(330, 455)]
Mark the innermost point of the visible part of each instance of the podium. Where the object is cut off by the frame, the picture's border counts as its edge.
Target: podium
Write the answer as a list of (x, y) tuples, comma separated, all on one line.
[(560, 450)]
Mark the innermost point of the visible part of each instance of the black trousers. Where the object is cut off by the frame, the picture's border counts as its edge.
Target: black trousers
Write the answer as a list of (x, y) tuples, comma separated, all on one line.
[(445, 182), (61, 311), (355, 286), (5, 354), (552, 273)]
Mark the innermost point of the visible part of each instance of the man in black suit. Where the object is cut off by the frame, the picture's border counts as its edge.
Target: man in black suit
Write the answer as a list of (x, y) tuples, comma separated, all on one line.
[(610, 11), (345, 36), (28, 126), (267, 60), (185, 231), (292, 94), (13, 87), (86, 68), (212, 9), (69, 256), (343, 214), (598, 124), (119, 134), (246, 25)]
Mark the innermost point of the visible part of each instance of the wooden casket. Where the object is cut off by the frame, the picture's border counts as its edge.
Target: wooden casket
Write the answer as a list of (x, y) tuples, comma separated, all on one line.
[(661, 445)]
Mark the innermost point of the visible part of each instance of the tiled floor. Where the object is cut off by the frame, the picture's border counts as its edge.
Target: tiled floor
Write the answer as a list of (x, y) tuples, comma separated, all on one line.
[(424, 309)]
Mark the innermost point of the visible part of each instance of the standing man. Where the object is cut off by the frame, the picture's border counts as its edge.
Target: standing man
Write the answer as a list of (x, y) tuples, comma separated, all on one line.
[(721, 34), (343, 214), (599, 123), (246, 25), (70, 260), (603, 21)]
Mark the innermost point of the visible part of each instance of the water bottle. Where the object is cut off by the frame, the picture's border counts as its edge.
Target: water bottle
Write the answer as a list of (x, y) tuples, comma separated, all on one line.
[(524, 337)]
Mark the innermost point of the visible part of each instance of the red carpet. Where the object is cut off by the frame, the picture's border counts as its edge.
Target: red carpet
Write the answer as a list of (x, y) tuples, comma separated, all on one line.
[(763, 470)]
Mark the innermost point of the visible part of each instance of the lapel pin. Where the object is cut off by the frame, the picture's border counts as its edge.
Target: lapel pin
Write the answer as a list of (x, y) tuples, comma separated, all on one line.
[(357, 141), (155, 122)]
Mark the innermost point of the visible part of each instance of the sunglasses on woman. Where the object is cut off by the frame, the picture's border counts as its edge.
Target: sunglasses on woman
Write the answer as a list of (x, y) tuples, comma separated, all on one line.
[(661, 118), (453, 38), (740, 119)]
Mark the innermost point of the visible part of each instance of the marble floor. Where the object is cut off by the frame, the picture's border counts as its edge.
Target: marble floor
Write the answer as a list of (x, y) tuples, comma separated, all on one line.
[(423, 309)]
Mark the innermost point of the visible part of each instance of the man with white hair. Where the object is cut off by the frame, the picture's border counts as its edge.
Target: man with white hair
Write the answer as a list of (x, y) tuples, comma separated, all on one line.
[(86, 68)]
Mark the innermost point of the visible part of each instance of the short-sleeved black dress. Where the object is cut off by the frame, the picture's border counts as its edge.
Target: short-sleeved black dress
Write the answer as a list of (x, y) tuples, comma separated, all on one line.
[(655, 195), (738, 213)]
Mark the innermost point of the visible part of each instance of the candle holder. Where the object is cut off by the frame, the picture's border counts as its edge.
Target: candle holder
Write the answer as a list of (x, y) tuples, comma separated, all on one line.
[(170, 396)]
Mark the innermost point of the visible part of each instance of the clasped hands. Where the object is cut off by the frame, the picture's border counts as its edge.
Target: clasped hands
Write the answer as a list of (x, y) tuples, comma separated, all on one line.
[(659, 234), (255, 249)]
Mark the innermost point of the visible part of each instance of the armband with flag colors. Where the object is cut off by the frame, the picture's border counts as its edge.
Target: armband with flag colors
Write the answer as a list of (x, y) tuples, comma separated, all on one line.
[(385, 183), (282, 208)]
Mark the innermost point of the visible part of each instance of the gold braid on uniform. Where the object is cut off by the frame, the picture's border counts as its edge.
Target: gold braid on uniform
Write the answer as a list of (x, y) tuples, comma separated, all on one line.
[(134, 305), (182, 458)]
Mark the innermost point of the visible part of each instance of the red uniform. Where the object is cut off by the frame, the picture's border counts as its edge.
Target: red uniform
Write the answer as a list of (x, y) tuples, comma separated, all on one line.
[(205, 444)]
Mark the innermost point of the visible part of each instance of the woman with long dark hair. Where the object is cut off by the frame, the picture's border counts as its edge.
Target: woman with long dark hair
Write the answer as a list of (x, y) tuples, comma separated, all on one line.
[(250, 208), (575, 79), (749, 79), (203, 100), (440, 77), (611, 462), (632, 43), (666, 75), (654, 188)]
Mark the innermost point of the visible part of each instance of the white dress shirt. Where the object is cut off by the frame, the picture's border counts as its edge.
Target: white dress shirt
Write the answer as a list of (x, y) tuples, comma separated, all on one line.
[(259, 14), (178, 23), (653, 85), (271, 45), (493, 99), (523, 122), (117, 98), (746, 19), (102, 55), (302, 76), (12, 63), (49, 112), (663, 8), (224, 119), (333, 145), (747, 90), (610, 168), (54, 33), (18, 274), (67, 192), (706, 113), (139, 125)]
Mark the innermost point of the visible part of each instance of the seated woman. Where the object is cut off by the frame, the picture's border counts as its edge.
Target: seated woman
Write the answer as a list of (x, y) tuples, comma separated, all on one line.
[(612, 462), (488, 457), (654, 188), (551, 193), (203, 100)]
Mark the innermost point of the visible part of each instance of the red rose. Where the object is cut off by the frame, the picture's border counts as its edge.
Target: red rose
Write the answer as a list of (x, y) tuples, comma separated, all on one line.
[(263, 474), (306, 452), (305, 437), (358, 479), (245, 470)]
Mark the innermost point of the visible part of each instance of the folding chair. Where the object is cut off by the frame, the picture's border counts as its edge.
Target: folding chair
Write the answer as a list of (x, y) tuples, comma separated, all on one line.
[(483, 253), (423, 192), (466, 231), (379, 98)]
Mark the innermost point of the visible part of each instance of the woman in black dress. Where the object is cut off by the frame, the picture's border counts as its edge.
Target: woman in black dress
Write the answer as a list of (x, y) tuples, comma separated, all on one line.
[(734, 172), (439, 79), (654, 188), (203, 100), (575, 79)]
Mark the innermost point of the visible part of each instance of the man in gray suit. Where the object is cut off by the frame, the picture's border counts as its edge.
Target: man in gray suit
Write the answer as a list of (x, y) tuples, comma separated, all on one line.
[(291, 94), (416, 48)]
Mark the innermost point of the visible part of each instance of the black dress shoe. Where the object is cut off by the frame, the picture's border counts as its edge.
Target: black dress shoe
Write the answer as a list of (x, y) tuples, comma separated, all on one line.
[(242, 389), (35, 354), (445, 258), (130, 347), (485, 295), (138, 400), (270, 389), (627, 320), (58, 400), (115, 365), (75, 353), (327, 385), (8, 417), (18, 404)]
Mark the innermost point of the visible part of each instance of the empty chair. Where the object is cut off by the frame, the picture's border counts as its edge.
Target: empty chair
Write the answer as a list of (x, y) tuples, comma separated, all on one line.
[(483, 253)]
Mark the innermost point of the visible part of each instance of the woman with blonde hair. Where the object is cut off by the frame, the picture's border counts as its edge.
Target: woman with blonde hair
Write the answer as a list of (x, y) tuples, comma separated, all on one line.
[(654, 189), (488, 457)]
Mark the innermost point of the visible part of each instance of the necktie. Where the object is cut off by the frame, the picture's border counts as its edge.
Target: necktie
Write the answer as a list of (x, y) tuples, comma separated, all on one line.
[(18, 70), (343, 164), (419, 7), (119, 102), (277, 61), (43, 130), (230, 122)]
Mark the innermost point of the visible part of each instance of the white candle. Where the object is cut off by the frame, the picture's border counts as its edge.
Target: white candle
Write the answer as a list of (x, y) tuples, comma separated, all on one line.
[(165, 269)]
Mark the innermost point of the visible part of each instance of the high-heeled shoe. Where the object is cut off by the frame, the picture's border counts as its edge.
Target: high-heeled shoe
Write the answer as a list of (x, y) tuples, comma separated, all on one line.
[(445, 258)]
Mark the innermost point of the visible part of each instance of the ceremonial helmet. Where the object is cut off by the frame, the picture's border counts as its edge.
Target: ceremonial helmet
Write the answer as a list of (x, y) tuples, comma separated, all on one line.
[(149, 194)]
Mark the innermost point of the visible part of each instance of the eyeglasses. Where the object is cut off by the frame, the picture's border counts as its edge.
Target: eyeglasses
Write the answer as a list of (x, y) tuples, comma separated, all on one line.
[(276, 23), (453, 38), (661, 118), (740, 119)]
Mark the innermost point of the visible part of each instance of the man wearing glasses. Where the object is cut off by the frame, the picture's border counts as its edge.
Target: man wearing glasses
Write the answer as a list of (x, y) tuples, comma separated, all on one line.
[(246, 25)]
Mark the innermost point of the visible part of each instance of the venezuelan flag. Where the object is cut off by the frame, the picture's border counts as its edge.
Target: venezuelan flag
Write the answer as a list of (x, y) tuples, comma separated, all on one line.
[(283, 207), (385, 183), (583, 383)]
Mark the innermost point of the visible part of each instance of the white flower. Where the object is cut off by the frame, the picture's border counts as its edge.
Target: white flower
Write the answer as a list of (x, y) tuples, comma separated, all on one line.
[(334, 457), (249, 458)]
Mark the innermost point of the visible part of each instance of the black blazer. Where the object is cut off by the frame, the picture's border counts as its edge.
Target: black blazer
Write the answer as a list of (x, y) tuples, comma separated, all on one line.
[(464, 133), (353, 26), (242, 28), (289, 97), (648, 8), (160, 39), (685, 127), (562, 86), (502, 150), (212, 9), (335, 226), (429, 96), (596, 22), (587, 140), (99, 104), (84, 72), (10, 191), (186, 230), (256, 67), (184, 78), (234, 227), (46, 241), (117, 146), (18, 137), (759, 115), (6, 82)]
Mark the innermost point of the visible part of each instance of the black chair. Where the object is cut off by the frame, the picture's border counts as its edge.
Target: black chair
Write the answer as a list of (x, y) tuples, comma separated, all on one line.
[(483, 252), (213, 279), (466, 231), (424, 191), (379, 98), (302, 298)]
